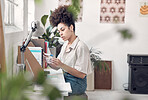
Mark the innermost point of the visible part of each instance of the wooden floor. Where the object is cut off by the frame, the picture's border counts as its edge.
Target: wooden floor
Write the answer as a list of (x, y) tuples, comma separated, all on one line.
[(114, 95)]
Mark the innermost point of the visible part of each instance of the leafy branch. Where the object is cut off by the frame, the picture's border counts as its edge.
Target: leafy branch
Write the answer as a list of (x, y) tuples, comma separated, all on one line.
[(96, 60)]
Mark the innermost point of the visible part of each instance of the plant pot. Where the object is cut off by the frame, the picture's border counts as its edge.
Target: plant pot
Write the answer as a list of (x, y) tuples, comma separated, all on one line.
[(90, 82)]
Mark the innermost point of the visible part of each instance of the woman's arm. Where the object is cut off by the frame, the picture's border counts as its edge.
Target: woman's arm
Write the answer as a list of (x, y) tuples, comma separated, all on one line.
[(54, 67), (70, 70)]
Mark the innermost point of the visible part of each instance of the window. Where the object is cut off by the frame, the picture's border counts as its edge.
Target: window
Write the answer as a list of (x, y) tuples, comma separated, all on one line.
[(31, 10), (18, 15), (8, 12)]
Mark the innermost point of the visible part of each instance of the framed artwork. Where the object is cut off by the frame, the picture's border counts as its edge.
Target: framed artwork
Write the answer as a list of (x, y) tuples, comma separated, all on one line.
[(112, 11), (143, 9), (69, 2)]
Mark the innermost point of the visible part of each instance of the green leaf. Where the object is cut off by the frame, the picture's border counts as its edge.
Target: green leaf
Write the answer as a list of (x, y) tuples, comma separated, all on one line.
[(125, 33), (48, 30), (106, 66), (100, 66), (13, 88), (74, 8), (73, 11), (47, 35), (50, 12), (54, 94), (76, 4), (75, 97), (44, 19), (51, 92), (40, 78)]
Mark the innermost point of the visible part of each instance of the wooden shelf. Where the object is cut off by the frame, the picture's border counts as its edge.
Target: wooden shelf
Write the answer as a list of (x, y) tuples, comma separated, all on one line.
[(30, 61)]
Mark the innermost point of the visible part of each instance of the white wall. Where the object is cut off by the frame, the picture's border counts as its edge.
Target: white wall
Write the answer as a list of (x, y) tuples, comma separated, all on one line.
[(12, 41), (44, 8), (105, 36)]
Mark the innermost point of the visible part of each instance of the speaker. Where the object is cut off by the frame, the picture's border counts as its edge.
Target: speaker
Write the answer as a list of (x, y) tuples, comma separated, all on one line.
[(138, 79), (134, 59)]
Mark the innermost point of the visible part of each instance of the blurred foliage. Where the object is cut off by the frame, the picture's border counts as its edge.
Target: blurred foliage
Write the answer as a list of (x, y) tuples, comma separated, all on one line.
[(38, 1), (40, 78), (127, 98), (75, 98), (74, 8), (125, 33), (14, 88), (51, 92)]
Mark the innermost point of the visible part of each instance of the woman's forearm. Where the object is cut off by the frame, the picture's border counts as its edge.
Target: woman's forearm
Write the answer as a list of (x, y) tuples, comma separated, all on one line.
[(73, 71)]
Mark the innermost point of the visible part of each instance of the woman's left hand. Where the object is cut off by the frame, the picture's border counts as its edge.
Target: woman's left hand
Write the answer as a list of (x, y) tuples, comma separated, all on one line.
[(56, 62)]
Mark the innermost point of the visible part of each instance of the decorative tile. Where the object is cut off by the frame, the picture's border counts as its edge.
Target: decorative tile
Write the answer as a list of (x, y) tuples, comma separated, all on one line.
[(112, 11), (143, 9)]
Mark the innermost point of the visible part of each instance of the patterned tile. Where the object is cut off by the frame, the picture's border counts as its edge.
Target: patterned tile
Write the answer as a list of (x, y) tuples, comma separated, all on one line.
[(112, 11)]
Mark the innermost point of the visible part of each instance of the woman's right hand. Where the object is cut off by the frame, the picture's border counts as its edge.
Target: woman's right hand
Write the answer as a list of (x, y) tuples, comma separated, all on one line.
[(48, 59)]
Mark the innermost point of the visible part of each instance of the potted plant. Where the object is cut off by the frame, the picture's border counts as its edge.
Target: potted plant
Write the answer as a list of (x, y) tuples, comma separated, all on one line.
[(51, 35), (102, 70), (96, 60), (98, 65)]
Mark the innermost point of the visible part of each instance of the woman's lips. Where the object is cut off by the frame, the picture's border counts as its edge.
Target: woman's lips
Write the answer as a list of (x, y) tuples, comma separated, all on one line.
[(62, 37)]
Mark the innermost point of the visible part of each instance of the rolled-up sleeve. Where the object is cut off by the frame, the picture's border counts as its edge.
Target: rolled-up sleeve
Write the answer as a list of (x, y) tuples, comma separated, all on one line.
[(83, 63)]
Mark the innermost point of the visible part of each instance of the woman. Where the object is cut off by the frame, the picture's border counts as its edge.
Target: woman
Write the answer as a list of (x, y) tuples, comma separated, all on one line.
[(74, 57)]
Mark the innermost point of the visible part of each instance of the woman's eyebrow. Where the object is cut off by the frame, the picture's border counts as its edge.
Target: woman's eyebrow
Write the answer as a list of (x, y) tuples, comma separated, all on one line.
[(61, 28)]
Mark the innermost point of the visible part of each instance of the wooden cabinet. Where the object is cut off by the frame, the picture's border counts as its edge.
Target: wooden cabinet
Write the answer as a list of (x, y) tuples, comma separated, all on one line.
[(103, 79)]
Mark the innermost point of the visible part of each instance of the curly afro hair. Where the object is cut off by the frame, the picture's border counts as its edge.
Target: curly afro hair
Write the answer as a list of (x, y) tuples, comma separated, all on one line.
[(61, 15)]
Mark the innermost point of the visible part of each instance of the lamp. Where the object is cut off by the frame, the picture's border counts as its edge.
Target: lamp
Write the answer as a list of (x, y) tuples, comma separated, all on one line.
[(36, 31)]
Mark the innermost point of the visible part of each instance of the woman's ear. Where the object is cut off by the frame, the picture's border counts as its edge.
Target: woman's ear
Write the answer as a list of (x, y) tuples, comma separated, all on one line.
[(71, 28)]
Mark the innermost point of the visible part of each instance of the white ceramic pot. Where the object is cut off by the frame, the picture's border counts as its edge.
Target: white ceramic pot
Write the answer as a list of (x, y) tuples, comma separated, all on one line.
[(90, 82)]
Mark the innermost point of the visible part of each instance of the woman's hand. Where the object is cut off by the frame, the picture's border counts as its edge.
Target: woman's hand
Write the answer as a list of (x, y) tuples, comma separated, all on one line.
[(50, 60), (55, 62)]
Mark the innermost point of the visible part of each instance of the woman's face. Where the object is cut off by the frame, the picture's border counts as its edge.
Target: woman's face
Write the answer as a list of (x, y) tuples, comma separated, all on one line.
[(65, 31)]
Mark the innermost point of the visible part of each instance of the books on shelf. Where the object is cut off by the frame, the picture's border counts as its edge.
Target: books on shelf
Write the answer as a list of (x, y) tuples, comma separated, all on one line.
[(47, 47), (47, 51), (38, 54)]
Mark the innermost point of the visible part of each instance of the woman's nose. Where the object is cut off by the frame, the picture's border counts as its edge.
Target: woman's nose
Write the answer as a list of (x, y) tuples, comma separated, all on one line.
[(61, 33)]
